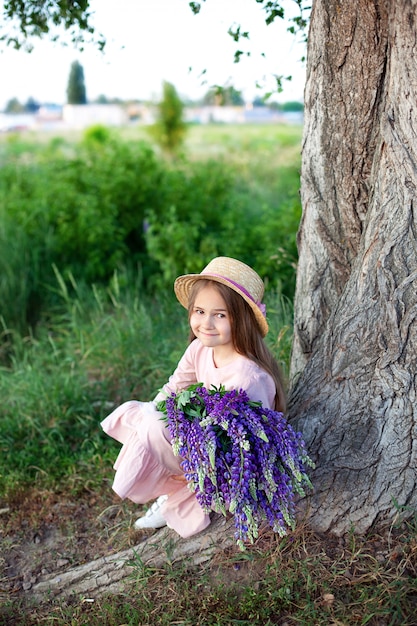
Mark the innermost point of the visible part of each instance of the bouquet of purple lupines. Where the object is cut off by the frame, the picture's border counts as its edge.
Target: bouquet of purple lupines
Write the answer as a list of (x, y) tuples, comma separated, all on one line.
[(238, 457)]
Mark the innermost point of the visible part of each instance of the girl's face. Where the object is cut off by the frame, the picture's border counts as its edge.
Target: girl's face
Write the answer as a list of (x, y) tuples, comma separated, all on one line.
[(210, 320)]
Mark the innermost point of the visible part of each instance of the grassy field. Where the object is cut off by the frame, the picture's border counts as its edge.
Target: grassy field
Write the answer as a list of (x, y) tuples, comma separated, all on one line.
[(103, 344)]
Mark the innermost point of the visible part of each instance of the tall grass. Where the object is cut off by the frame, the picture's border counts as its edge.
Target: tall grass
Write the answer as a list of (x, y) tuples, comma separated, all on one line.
[(99, 349)]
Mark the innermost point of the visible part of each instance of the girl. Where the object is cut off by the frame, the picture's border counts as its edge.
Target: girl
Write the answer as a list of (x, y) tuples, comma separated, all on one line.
[(227, 326)]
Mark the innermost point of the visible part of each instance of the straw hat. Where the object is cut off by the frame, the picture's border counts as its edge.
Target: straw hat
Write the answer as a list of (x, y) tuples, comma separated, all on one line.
[(236, 275)]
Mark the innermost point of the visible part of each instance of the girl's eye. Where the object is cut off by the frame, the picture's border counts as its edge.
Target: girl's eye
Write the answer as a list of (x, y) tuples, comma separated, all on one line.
[(199, 311), (220, 315)]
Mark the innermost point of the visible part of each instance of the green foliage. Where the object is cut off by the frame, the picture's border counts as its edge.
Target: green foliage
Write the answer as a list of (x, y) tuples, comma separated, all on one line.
[(104, 203), (21, 266), (225, 207), (187, 230), (293, 106), (223, 96), (81, 208), (14, 106), (76, 93), (24, 21), (170, 128)]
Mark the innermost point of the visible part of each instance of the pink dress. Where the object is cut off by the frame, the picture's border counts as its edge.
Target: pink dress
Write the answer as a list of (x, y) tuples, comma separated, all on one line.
[(146, 466)]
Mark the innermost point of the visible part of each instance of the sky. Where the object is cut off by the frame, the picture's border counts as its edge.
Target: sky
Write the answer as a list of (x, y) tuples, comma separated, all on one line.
[(149, 41)]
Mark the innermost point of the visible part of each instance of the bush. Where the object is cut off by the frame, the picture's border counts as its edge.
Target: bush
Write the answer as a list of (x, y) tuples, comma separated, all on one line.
[(170, 129), (104, 203), (212, 211), (81, 208)]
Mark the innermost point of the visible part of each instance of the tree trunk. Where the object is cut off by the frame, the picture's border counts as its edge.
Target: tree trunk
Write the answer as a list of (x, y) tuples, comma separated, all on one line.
[(355, 346), (118, 572)]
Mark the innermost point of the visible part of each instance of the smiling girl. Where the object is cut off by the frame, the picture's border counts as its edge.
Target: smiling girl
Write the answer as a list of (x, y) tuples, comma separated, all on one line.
[(227, 329)]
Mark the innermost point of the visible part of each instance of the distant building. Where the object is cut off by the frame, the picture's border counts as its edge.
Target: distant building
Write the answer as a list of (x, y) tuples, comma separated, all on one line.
[(82, 116), (85, 115), (216, 114), (13, 122), (240, 115), (49, 113)]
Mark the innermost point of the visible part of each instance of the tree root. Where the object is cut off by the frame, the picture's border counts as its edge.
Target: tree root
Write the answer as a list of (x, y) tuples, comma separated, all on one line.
[(114, 574)]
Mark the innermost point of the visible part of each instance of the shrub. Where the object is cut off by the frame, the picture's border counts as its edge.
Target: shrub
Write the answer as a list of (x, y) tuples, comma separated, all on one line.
[(81, 208), (212, 211), (170, 129), (105, 203)]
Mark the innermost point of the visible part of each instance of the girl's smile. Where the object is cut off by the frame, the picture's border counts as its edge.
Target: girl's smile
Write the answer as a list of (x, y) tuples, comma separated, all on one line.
[(210, 323)]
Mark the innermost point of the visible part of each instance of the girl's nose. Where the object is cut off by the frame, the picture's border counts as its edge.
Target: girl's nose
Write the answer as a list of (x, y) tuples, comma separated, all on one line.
[(208, 322)]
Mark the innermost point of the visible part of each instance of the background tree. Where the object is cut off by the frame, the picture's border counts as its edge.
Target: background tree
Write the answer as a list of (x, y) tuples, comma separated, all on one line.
[(31, 105), (293, 106), (223, 96), (170, 128), (102, 99), (76, 92), (14, 106), (355, 345)]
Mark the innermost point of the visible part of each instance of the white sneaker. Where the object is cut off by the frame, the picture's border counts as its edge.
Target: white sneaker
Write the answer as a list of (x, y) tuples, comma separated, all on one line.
[(153, 517)]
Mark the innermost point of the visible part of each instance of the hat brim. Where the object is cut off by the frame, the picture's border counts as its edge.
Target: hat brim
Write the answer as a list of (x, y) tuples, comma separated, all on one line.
[(184, 284)]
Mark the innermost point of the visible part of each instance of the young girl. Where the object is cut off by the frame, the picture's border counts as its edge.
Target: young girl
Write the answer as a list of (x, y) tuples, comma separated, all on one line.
[(227, 322)]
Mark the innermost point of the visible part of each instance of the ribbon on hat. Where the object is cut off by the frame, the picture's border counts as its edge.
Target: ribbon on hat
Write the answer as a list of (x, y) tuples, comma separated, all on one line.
[(260, 305)]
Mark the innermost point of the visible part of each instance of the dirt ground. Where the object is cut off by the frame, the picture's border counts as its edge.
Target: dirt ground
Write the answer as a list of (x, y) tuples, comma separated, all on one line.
[(43, 533)]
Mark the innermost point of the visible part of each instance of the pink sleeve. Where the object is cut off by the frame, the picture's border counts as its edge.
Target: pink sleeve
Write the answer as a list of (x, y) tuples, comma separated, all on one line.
[(183, 376), (261, 388)]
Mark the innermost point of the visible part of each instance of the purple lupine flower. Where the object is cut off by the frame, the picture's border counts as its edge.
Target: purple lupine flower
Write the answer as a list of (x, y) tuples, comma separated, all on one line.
[(238, 457)]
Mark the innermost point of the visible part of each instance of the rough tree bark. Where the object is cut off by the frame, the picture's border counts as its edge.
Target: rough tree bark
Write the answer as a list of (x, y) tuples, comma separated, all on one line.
[(118, 572), (355, 347)]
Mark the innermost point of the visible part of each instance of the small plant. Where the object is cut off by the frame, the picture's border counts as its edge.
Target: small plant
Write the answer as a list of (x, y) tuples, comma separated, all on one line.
[(170, 128)]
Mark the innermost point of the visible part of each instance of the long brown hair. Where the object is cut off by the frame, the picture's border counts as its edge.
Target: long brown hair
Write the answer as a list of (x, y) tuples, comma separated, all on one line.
[(246, 334)]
